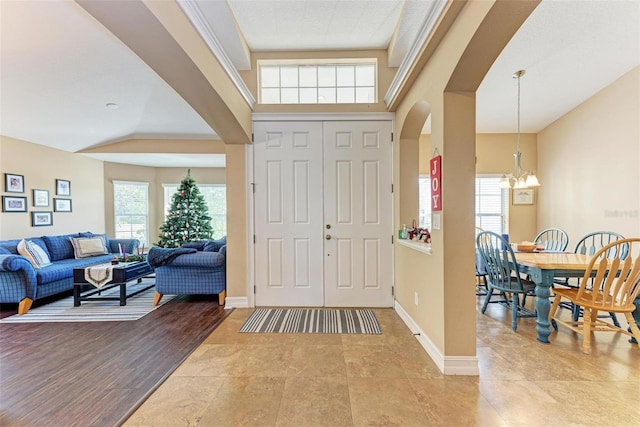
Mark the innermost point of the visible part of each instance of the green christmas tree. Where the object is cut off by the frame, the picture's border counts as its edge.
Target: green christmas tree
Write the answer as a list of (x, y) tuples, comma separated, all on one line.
[(188, 219)]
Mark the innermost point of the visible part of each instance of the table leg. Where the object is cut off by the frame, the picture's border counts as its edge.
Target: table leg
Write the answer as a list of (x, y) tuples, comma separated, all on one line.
[(543, 280), (123, 294), (76, 295)]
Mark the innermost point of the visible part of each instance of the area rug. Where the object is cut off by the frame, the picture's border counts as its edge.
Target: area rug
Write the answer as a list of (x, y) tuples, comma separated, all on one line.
[(314, 320), (93, 311)]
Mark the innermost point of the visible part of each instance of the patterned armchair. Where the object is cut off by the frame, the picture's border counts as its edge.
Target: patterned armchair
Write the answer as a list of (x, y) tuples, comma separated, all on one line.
[(197, 273)]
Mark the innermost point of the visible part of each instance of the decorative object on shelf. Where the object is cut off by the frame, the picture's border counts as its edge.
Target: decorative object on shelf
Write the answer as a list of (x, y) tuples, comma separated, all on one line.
[(63, 187), (40, 219), (61, 205), (13, 183), (522, 196), (188, 219), (417, 234), (14, 204), (519, 178), (40, 198)]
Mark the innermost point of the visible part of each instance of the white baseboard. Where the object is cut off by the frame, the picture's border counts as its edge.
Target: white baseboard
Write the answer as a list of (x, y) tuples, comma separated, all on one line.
[(448, 365), (236, 302)]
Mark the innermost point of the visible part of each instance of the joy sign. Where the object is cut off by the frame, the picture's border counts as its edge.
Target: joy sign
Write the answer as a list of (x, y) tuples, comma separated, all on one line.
[(436, 181)]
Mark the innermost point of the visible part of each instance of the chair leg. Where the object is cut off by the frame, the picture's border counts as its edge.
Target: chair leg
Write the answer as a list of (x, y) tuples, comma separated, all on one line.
[(586, 331), (514, 315), (575, 312), (157, 298), (634, 327), (486, 300), (552, 312), (614, 318)]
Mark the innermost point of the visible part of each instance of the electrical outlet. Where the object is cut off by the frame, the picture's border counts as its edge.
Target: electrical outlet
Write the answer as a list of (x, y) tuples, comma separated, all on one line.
[(415, 298)]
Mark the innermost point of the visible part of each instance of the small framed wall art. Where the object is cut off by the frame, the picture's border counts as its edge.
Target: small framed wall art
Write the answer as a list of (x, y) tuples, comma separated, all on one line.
[(522, 196), (61, 205), (41, 219), (40, 198), (13, 183), (14, 204), (63, 187)]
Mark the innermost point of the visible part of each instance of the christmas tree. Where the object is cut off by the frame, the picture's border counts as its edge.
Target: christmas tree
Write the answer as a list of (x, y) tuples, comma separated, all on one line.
[(188, 219)]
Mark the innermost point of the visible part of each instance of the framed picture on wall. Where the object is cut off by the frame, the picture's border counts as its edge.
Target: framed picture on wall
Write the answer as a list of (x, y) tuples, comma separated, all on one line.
[(40, 198), (522, 196), (13, 183), (14, 204), (63, 187), (61, 205), (40, 219)]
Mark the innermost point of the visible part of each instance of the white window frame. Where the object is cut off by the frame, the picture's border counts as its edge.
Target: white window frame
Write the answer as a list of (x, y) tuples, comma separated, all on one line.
[(130, 234), (424, 201), (174, 187), (504, 206), (318, 93)]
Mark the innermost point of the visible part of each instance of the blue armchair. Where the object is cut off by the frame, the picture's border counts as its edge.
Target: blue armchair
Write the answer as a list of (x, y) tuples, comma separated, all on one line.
[(197, 273)]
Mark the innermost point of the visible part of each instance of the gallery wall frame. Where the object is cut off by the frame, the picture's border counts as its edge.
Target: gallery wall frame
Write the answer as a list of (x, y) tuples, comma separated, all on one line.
[(63, 187), (41, 219), (40, 198), (522, 196), (61, 205), (13, 183), (14, 204)]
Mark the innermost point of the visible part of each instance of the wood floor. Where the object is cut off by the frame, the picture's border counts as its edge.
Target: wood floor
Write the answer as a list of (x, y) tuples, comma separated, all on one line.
[(96, 374)]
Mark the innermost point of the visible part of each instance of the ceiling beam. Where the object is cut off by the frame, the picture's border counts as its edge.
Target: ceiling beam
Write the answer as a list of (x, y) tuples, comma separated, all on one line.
[(161, 35)]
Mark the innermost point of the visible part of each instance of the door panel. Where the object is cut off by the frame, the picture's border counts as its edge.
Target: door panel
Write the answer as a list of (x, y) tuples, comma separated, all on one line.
[(288, 214), (358, 207)]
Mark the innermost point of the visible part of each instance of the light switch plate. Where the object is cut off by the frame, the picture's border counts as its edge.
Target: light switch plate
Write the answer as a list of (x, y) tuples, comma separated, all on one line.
[(435, 220)]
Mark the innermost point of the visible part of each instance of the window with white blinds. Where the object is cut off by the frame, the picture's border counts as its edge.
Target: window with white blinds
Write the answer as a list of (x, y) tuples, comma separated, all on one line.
[(425, 201), (492, 205)]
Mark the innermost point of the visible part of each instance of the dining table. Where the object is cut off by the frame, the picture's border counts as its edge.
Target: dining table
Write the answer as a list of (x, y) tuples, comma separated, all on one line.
[(542, 267)]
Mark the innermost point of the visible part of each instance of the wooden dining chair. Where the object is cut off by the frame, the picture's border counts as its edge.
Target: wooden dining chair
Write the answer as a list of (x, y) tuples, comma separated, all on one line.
[(552, 239), (589, 244), (610, 284), (482, 286), (504, 278)]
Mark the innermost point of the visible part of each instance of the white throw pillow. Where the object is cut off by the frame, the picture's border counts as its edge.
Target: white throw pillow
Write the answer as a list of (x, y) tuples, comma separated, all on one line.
[(34, 253), (84, 247)]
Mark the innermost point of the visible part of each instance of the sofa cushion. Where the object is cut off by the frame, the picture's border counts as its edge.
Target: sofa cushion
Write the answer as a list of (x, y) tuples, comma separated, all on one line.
[(59, 247), (64, 269), (4, 251), (34, 253), (84, 247), (214, 245)]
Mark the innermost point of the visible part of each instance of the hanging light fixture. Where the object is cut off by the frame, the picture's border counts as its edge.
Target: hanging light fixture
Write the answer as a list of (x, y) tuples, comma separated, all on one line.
[(519, 178)]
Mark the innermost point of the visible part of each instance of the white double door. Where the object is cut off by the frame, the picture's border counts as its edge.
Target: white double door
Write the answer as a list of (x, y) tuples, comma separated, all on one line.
[(323, 214)]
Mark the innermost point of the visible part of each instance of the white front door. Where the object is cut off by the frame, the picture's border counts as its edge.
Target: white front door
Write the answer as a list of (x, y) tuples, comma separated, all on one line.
[(323, 207), (358, 205)]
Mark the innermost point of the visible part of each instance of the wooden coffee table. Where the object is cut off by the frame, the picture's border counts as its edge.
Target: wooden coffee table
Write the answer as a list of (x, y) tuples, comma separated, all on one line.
[(123, 273)]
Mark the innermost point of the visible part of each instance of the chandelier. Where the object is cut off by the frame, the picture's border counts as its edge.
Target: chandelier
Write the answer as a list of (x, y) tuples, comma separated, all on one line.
[(519, 178)]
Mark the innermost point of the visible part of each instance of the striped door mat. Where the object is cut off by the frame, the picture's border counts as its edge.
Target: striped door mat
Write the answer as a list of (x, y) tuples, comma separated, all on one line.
[(312, 320)]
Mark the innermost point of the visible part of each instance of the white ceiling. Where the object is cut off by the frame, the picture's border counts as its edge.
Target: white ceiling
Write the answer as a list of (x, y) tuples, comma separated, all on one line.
[(59, 67)]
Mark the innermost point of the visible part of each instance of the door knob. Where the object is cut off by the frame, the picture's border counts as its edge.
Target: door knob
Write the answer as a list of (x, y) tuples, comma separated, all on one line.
[(328, 237)]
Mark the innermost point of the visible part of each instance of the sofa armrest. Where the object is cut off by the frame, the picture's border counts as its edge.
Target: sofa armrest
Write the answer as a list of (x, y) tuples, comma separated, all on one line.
[(223, 250), (130, 246), (198, 259), (21, 273)]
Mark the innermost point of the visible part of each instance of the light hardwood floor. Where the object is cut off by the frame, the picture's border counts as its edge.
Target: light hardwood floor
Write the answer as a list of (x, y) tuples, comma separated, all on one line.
[(236, 379)]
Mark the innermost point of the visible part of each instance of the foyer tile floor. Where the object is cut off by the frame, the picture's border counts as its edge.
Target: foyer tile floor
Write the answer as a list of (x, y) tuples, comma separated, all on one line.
[(300, 380)]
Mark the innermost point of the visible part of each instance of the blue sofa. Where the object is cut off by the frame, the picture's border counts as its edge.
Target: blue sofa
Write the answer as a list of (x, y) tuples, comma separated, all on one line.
[(22, 283), (201, 272)]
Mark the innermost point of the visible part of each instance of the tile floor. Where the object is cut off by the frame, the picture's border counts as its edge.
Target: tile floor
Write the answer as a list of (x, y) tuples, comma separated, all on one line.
[(300, 380)]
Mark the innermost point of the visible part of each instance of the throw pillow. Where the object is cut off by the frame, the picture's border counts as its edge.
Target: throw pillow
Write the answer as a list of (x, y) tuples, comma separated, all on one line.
[(59, 246), (84, 247), (34, 253)]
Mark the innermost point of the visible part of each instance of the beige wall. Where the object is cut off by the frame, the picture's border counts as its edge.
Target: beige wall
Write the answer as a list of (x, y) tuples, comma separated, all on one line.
[(236, 221), (494, 156), (589, 164), (155, 177), (41, 166)]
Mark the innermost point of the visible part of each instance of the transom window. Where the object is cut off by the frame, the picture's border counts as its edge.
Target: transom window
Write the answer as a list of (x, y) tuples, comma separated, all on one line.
[(318, 83)]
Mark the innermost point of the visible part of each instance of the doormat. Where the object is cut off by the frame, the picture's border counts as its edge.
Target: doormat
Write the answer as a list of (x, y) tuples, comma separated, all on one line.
[(93, 311), (312, 321)]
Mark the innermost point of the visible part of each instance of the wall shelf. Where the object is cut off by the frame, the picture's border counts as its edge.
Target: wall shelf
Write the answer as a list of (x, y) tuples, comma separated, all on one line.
[(417, 246)]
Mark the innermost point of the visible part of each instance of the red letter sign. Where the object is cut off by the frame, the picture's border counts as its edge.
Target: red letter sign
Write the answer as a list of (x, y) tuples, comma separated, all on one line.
[(436, 181)]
